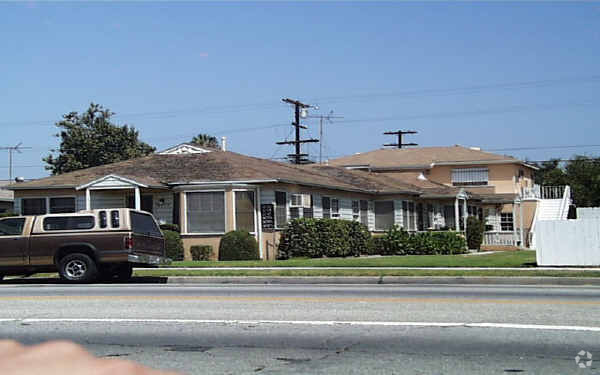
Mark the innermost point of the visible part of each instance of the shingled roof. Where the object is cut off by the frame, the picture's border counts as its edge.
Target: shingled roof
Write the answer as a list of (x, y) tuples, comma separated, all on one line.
[(160, 171), (420, 157)]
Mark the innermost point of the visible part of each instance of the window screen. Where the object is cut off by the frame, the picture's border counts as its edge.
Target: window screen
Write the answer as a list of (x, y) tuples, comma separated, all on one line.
[(206, 212), (33, 206), (384, 215), (62, 205), (244, 210), (68, 223)]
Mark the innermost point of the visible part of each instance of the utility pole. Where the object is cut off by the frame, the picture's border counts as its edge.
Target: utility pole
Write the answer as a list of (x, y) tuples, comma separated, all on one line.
[(10, 149), (327, 117), (298, 157), (400, 133)]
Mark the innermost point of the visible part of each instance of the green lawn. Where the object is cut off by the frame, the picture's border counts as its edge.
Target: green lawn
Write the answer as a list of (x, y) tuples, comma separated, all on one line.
[(525, 258)]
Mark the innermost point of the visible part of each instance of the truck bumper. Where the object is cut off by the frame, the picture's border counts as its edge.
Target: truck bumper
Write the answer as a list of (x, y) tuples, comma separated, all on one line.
[(147, 259)]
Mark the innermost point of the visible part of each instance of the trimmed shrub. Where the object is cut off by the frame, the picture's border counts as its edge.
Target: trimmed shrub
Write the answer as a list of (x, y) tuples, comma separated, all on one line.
[(475, 229), (201, 252), (238, 245), (315, 238), (173, 244), (169, 226), (397, 241)]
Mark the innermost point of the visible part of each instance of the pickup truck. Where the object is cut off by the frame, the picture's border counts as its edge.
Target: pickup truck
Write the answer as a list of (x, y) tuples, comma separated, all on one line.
[(83, 247)]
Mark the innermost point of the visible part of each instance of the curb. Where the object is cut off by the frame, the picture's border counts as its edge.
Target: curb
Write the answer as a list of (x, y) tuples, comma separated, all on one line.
[(385, 280)]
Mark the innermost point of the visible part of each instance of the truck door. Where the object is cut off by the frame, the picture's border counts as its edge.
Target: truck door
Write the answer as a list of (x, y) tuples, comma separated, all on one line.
[(13, 244)]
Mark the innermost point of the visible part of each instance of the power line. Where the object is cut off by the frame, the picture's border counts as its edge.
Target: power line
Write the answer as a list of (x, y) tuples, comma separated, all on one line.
[(298, 157)]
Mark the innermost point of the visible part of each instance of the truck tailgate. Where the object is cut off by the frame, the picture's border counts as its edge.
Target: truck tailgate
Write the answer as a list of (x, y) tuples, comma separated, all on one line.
[(148, 244)]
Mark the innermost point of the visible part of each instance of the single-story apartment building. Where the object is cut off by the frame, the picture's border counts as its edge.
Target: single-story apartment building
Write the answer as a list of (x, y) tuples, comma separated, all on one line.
[(210, 192), (6, 197)]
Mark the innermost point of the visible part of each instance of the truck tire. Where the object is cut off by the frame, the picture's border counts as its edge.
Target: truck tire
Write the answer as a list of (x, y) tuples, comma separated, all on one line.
[(78, 268)]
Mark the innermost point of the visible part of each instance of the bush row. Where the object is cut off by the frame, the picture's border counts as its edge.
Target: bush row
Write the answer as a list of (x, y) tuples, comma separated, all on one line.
[(317, 238)]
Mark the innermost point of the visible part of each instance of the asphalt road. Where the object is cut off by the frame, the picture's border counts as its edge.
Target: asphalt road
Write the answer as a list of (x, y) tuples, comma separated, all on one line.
[(317, 329)]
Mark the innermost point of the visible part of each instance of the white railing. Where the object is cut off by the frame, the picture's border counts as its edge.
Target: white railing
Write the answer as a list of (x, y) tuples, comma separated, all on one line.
[(534, 192), (500, 238), (566, 202), (553, 192)]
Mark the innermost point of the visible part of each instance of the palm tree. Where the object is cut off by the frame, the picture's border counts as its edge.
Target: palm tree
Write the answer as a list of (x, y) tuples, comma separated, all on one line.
[(206, 140)]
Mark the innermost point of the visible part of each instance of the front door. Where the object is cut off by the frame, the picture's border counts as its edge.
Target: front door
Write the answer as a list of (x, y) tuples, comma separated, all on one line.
[(13, 245)]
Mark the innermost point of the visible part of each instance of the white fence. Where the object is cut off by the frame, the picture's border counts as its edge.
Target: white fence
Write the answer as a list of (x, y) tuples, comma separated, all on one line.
[(568, 242), (500, 238), (588, 212)]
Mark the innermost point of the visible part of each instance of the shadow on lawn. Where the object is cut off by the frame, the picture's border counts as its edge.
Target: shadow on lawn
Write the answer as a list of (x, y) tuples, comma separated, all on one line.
[(57, 280)]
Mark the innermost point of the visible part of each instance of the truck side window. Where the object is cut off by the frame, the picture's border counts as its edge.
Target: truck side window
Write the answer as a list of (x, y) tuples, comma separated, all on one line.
[(103, 219), (68, 222), (114, 219), (12, 227)]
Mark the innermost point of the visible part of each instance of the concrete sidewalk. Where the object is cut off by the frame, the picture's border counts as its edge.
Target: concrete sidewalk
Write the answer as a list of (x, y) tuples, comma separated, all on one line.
[(384, 280)]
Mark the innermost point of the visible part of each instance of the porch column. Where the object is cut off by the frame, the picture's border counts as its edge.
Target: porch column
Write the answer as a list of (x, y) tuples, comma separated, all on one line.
[(258, 225), (456, 216), (514, 215), (138, 198), (465, 214), (88, 199), (521, 224)]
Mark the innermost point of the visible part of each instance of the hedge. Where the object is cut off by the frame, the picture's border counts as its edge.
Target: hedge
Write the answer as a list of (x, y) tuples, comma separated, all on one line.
[(238, 245), (201, 252), (169, 226), (475, 229), (315, 238), (397, 241), (173, 244)]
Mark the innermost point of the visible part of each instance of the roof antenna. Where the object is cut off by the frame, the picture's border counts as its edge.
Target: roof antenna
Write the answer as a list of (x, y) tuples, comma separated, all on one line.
[(400, 133)]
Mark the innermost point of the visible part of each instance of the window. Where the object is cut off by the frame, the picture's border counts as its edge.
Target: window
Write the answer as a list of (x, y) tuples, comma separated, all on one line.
[(205, 212), (506, 222), (280, 209), (244, 210), (69, 223), (405, 218), (469, 176), (326, 202), (294, 213), (384, 215), (144, 224), (146, 202), (364, 213), (335, 208), (103, 219), (62, 205), (12, 227), (428, 219), (355, 210), (412, 216), (33, 206), (307, 211), (114, 219)]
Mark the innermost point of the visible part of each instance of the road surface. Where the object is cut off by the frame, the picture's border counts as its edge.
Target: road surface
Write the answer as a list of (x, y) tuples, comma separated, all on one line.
[(307, 329)]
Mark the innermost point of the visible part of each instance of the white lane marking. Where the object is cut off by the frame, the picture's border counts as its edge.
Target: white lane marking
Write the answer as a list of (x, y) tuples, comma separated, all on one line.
[(308, 322)]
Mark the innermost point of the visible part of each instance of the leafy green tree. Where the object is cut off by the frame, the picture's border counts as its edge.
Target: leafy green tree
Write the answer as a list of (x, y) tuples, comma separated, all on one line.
[(581, 173), (206, 140), (90, 139)]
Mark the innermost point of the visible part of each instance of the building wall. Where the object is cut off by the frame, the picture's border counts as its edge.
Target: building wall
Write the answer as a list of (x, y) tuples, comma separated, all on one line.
[(6, 207), (503, 178)]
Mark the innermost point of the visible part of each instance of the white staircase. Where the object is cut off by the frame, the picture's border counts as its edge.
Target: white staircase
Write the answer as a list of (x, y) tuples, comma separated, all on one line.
[(553, 205)]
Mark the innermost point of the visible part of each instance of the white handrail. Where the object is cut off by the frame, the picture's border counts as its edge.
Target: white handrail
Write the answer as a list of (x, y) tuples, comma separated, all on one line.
[(565, 203)]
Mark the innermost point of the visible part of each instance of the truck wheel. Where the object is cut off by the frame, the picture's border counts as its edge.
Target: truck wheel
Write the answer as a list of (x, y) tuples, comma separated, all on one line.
[(78, 268), (124, 272)]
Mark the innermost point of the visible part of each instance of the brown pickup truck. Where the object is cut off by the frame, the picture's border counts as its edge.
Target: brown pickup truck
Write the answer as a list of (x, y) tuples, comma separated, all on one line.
[(82, 246)]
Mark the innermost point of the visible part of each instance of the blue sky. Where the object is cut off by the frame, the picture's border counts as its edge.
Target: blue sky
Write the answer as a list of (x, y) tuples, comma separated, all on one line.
[(494, 75)]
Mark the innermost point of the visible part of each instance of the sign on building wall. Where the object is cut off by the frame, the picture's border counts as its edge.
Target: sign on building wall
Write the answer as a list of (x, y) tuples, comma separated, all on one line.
[(267, 212)]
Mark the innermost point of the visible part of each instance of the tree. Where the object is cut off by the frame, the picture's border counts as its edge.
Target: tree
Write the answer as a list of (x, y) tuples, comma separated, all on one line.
[(90, 139), (206, 140), (582, 173)]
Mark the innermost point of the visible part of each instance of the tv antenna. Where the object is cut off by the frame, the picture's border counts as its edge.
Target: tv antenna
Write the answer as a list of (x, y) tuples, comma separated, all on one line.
[(12, 149), (328, 117)]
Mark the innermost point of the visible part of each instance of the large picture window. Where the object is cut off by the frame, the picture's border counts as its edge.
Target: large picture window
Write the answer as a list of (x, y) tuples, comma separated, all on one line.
[(205, 212), (384, 215), (244, 210), (469, 176)]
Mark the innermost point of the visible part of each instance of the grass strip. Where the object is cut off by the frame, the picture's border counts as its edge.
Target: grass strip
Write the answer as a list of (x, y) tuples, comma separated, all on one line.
[(524, 258), (358, 272)]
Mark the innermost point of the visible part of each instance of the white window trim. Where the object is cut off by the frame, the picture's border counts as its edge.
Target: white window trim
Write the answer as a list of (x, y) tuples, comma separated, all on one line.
[(185, 213), (255, 213), (287, 208), (337, 214)]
